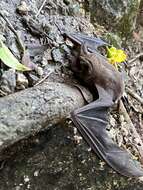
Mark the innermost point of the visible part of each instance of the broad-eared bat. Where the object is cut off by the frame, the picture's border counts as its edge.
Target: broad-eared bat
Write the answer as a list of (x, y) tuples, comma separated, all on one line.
[(91, 120)]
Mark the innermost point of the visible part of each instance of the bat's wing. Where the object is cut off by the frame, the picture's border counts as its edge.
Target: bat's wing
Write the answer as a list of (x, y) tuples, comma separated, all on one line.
[(91, 121), (92, 43)]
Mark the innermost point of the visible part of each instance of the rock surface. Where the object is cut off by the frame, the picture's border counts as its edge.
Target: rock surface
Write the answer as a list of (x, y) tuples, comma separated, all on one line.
[(118, 16), (8, 81), (55, 162), (24, 113)]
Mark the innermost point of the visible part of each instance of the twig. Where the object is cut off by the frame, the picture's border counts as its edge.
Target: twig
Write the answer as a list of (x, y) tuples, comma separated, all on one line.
[(139, 144), (3, 93), (58, 27), (2, 164), (134, 95), (40, 8), (135, 58), (22, 47), (43, 79)]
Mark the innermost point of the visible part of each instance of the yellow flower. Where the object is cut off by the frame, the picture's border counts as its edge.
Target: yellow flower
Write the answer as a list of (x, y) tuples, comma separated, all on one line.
[(116, 55)]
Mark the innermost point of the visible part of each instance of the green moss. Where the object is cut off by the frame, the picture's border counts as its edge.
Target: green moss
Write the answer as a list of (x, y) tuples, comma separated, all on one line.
[(126, 24), (116, 16), (113, 39)]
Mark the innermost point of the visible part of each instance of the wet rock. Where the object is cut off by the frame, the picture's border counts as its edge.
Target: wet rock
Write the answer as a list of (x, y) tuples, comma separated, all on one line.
[(118, 16), (8, 81)]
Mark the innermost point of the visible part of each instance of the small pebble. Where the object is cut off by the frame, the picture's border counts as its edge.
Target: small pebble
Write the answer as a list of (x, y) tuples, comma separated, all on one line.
[(39, 71), (22, 9), (36, 173), (75, 130), (21, 81), (26, 179), (77, 139)]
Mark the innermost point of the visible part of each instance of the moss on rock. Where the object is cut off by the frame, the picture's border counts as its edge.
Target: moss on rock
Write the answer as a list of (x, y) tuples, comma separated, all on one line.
[(116, 15)]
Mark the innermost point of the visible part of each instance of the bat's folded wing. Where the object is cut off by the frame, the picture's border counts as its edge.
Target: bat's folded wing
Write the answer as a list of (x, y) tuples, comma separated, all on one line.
[(92, 43), (91, 121)]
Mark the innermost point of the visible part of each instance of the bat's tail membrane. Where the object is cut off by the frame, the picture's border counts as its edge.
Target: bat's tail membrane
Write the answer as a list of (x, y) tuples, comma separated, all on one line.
[(91, 121)]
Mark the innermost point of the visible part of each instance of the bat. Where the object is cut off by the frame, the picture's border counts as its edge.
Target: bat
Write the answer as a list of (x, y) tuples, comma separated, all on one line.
[(91, 120)]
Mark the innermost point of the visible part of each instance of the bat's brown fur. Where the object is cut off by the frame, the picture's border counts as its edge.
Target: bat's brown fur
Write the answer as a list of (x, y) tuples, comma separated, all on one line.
[(94, 70)]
